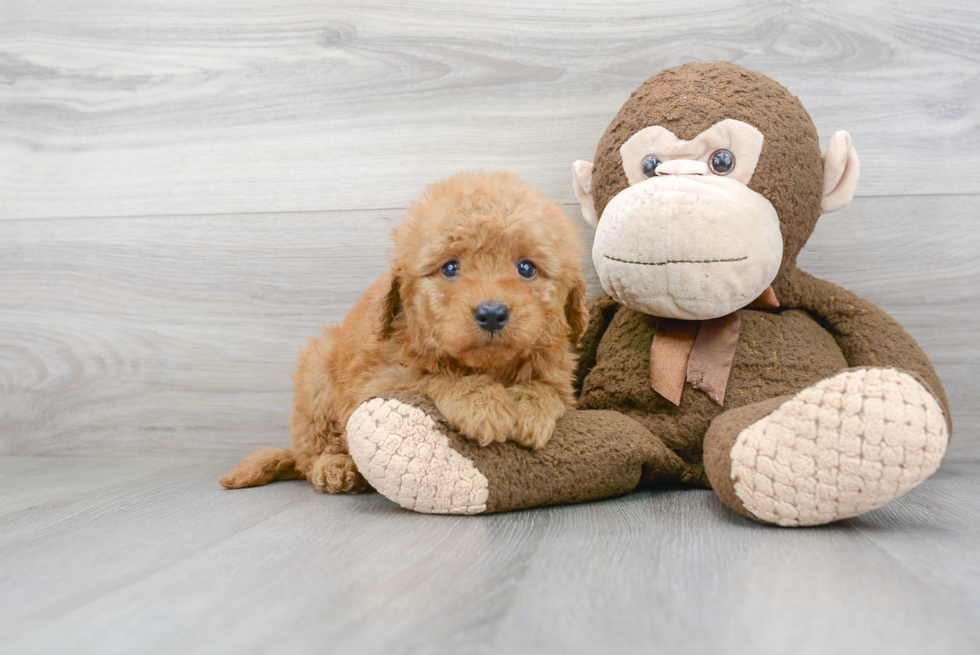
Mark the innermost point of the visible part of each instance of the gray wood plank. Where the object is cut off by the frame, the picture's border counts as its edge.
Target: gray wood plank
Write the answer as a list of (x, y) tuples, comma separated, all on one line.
[(53, 487), (178, 335), (89, 543), (183, 566), (677, 572), (122, 108), (168, 327), (934, 527), (337, 565)]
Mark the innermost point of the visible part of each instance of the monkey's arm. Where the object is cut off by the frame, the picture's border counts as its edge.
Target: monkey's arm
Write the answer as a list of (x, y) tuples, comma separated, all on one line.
[(866, 334), (602, 308)]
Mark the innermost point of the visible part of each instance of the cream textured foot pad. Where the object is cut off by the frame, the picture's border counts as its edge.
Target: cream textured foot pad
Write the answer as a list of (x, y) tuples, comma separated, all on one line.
[(401, 452), (840, 448)]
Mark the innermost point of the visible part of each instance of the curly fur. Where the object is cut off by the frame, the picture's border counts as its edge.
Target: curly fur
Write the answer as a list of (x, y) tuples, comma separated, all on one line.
[(414, 330)]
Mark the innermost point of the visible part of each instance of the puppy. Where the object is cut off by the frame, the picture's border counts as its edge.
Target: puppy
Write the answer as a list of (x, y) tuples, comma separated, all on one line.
[(480, 311)]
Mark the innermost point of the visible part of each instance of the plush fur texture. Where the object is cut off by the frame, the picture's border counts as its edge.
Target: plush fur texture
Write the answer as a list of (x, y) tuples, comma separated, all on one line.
[(398, 435), (840, 448), (415, 330), (625, 434), (691, 98)]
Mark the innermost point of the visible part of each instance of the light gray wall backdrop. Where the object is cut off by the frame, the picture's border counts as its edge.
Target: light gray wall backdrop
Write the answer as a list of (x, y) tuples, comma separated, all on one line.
[(189, 190)]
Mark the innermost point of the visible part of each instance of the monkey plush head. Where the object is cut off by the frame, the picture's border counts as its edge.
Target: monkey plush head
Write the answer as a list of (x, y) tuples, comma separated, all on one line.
[(705, 187)]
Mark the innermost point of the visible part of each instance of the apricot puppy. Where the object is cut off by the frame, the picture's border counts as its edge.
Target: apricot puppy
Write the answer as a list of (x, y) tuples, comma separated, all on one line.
[(480, 311)]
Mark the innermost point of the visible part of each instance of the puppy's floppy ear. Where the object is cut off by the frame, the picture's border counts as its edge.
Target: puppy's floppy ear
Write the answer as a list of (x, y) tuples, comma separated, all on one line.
[(391, 305), (576, 312)]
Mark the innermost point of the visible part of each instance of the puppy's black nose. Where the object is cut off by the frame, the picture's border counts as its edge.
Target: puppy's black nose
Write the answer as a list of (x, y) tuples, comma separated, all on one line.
[(491, 316)]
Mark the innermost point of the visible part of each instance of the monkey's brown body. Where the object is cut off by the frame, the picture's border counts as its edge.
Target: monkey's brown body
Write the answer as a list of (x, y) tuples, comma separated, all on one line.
[(831, 408), (779, 353)]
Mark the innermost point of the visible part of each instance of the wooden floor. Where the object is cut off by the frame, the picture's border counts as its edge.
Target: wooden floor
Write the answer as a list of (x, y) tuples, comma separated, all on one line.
[(189, 190), (149, 555)]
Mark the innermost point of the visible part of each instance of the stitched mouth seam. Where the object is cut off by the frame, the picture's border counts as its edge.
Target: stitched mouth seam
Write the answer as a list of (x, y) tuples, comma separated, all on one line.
[(678, 261)]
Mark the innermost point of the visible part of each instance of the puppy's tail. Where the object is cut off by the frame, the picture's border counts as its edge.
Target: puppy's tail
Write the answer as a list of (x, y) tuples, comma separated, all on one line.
[(263, 466)]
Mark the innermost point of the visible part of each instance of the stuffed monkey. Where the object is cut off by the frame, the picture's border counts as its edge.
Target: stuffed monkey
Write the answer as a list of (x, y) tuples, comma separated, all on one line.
[(710, 360)]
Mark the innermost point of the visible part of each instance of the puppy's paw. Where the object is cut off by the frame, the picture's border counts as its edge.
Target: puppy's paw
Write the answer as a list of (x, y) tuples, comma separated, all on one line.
[(539, 407), (484, 414), (533, 430), (336, 474)]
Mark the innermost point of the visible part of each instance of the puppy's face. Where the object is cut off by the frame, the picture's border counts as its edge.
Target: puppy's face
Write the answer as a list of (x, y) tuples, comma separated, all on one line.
[(488, 271)]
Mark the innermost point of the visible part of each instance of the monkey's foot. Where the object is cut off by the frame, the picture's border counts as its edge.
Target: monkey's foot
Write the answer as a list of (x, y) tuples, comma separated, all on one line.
[(845, 446), (403, 454)]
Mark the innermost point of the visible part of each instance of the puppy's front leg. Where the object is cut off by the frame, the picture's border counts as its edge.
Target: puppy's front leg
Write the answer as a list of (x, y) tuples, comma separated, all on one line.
[(336, 473), (539, 406), (477, 406)]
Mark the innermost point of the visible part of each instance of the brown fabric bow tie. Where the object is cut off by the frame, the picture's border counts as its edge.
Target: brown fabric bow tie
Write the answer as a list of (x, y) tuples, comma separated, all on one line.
[(699, 352)]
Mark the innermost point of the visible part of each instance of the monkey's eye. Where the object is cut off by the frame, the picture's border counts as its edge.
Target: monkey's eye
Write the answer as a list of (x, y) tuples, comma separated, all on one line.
[(450, 269), (526, 269), (722, 162), (650, 164)]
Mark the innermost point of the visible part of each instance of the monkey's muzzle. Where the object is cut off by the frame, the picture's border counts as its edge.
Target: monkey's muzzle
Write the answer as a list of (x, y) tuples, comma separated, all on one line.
[(691, 247)]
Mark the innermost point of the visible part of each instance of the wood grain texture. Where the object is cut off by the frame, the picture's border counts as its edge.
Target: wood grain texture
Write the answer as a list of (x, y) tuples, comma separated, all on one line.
[(678, 573), (36, 490), (143, 108), (116, 332), (189, 190), (172, 563), (178, 335)]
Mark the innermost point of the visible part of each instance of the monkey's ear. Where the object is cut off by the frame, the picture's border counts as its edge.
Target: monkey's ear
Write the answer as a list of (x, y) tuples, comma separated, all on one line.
[(840, 173), (391, 305), (577, 313), (582, 181)]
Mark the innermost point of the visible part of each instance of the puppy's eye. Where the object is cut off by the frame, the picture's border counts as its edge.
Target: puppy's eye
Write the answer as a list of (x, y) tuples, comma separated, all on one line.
[(650, 164), (526, 269), (722, 162), (450, 269)]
